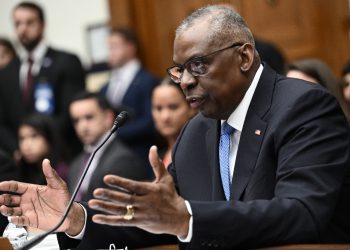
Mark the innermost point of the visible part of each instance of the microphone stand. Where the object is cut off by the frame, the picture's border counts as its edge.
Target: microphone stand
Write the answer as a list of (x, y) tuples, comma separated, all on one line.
[(119, 121)]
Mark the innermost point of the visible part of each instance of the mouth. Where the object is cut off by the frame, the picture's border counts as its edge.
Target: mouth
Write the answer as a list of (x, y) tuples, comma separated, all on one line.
[(195, 101)]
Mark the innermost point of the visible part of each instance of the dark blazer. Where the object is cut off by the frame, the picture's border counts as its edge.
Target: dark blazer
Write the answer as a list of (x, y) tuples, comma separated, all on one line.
[(63, 71), (139, 131), (117, 159), (290, 183)]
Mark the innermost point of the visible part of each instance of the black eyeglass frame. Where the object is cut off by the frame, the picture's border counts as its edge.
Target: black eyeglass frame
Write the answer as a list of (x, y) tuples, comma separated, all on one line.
[(184, 66)]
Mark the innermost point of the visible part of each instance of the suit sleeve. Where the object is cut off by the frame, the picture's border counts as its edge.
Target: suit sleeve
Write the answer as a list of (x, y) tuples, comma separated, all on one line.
[(101, 236), (311, 148)]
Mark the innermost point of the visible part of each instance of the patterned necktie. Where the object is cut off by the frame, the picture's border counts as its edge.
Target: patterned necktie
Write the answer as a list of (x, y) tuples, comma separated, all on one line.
[(224, 153), (28, 84)]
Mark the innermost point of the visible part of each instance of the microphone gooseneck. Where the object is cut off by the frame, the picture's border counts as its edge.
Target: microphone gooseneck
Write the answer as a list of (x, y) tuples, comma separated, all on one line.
[(118, 122)]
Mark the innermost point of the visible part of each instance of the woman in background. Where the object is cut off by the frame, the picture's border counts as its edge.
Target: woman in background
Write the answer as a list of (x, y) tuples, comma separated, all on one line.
[(38, 139), (316, 71), (170, 112)]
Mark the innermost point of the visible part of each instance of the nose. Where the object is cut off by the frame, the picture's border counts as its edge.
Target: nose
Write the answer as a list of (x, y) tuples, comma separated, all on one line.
[(188, 81), (165, 114)]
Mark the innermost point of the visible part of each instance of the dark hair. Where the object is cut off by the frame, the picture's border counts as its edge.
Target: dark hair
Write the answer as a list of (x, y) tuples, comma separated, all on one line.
[(33, 6), (345, 69), (318, 70), (128, 34), (85, 95), (8, 45), (46, 127), (168, 82)]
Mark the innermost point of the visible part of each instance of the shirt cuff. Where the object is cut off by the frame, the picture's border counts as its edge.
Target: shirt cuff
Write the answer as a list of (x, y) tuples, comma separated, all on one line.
[(190, 229), (82, 232)]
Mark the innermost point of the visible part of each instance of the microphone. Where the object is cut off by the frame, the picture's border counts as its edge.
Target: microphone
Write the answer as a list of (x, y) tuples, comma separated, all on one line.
[(118, 122)]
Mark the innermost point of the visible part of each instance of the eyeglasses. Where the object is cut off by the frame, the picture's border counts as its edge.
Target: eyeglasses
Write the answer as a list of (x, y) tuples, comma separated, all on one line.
[(195, 66)]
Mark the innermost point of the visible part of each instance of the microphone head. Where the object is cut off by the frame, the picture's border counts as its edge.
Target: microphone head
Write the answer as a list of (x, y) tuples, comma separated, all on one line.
[(120, 120)]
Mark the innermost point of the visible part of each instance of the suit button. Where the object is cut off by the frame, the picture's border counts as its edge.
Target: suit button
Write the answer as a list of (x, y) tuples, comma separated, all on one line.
[(203, 242)]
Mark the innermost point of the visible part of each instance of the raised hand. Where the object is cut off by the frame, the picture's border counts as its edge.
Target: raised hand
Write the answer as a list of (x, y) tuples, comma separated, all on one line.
[(156, 207), (36, 206)]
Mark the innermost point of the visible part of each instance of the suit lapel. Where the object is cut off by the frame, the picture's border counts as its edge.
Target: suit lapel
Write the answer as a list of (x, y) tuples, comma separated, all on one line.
[(253, 133), (248, 150)]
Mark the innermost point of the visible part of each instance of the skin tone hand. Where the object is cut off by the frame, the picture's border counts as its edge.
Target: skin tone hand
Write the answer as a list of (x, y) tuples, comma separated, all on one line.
[(41, 206), (158, 208)]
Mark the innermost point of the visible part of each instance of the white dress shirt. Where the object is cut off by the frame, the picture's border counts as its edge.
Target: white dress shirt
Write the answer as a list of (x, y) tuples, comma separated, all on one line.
[(120, 81), (39, 60)]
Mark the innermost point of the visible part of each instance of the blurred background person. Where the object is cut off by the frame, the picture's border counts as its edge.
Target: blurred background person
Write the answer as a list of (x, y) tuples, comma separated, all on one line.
[(170, 112), (7, 52), (316, 71), (93, 119), (345, 83), (41, 80), (129, 89), (272, 55), (38, 139)]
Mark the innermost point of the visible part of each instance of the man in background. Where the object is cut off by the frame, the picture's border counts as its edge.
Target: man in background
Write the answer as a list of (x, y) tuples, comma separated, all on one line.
[(41, 80), (93, 119), (129, 89)]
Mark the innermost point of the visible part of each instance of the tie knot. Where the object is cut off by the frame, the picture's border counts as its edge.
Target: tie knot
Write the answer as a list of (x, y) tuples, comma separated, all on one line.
[(226, 129), (30, 60)]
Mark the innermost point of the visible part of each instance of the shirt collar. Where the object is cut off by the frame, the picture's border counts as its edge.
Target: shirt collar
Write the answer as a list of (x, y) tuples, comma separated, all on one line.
[(237, 117), (89, 148), (37, 54), (129, 68)]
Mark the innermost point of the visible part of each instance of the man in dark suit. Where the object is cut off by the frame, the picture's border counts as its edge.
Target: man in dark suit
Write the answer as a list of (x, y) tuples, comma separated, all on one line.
[(41, 80), (130, 89), (92, 119), (279, 175)]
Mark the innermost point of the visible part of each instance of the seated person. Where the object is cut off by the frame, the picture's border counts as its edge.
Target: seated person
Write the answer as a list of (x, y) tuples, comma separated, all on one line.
[(316, 71), (38, 139), (170, 111)]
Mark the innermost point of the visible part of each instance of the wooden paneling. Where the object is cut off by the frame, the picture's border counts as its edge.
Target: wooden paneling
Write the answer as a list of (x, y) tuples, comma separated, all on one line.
[(313, 28)]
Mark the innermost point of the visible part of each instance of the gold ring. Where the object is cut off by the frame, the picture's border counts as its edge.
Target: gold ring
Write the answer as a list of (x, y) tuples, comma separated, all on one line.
[(130, 212)]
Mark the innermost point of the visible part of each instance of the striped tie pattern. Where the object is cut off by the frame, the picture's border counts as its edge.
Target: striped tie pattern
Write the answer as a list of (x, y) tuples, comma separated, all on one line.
[(224, 152)]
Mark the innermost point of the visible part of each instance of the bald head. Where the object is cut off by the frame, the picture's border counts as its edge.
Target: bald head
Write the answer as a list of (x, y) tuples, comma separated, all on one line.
[(225, 24)]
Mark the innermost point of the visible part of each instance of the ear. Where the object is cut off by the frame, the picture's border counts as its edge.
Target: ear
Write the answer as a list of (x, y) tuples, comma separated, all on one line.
[(110, 116), (247, 52)]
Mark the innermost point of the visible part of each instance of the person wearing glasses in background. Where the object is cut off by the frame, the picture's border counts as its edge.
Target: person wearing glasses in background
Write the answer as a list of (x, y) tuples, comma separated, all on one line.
[(265, 162)]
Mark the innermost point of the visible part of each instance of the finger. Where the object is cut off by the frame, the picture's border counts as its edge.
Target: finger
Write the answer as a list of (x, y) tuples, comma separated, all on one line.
[(107, 207), (13, 186), (112, 220), (10, 211), (52, 178), (157, 165), (20, 220), (10, 200), (115, 196), (135, 187)]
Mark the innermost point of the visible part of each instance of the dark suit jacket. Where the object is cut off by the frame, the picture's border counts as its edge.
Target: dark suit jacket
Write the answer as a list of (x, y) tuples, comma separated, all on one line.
[(138, 132), (290, 183), (117, 159), (63, 71)]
